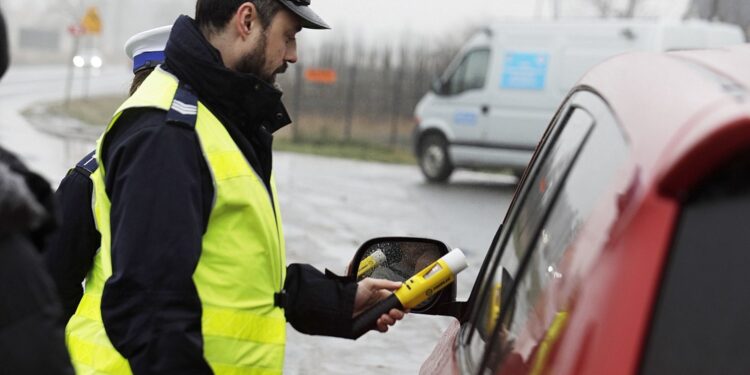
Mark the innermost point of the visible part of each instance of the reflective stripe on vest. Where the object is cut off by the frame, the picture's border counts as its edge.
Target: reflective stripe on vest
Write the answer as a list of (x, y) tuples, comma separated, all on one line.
[(242, 262)]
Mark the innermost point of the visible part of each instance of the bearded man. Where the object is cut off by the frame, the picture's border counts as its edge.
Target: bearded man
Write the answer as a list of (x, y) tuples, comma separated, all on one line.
[(191, 276)]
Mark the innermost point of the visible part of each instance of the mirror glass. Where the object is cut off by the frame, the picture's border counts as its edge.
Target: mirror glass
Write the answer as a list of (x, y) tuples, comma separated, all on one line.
[(397, 260)]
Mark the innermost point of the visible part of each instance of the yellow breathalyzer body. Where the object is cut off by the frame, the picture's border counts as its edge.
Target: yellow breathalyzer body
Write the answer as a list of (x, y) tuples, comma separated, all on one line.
[(371, 262), (425, 284)]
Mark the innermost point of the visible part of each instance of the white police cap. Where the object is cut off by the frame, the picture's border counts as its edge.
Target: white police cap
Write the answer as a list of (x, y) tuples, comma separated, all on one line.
[(146, 49)]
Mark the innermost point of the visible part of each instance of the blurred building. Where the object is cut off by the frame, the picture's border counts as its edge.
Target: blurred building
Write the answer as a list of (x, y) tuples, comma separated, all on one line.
[(39, 29)]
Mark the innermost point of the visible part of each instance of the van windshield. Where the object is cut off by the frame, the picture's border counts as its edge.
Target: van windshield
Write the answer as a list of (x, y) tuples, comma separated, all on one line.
[(471, 74)]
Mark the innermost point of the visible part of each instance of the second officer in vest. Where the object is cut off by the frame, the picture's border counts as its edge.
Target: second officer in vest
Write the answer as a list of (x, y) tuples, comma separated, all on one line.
[(191, 277)]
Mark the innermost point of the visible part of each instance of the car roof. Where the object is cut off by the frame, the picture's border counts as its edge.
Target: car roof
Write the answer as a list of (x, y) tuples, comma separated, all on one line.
[(670, 104)]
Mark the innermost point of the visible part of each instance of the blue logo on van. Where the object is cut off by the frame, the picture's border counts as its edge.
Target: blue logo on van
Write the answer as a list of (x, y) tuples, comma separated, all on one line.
[(525, 71), (465, 118)]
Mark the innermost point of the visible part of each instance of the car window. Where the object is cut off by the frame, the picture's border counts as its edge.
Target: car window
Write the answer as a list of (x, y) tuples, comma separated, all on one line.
[(700, 324), (538, 195), (471, 74), (491, 260), (536, 314), (567, 183)]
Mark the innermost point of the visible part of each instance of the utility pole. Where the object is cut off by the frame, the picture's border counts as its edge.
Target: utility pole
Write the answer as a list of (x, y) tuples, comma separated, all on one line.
[(76, 31)]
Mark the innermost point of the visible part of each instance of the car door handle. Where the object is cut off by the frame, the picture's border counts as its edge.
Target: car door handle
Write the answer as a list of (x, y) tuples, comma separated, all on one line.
[(485, 109)]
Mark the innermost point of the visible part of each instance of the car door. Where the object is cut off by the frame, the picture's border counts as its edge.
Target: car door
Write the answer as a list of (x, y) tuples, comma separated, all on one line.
[(514, 320), (523, 100)]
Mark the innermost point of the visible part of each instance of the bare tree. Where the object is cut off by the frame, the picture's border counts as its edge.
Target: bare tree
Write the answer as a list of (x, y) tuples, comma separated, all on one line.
[(608, 8), (604, 7), (730, 11), (630, 10)]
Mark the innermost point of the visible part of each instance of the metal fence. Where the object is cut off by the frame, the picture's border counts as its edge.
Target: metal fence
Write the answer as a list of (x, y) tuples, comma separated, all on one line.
[(371, 101)]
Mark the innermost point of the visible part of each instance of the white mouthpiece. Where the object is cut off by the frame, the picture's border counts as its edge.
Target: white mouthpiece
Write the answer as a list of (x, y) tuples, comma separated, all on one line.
[(379, 257), (456, 261)]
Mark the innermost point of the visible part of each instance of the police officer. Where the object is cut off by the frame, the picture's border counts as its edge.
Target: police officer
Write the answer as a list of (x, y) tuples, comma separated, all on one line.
[(191, 275), (70, 252), (31, 339)]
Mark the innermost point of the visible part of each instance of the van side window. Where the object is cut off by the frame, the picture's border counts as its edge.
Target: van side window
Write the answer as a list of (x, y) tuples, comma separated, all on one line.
[(471, 74)]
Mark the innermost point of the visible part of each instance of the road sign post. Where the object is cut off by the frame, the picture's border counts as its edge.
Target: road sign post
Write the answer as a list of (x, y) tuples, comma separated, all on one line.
[(76, 31), (92, 23)]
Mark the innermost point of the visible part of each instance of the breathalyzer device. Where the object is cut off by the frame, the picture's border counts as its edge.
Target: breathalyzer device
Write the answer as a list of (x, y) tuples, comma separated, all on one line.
[(368, 264), (414, 291)]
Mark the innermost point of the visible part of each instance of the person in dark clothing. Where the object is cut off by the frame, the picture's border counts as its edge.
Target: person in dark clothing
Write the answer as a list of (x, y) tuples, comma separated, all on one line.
[(177, 210), (70, 251), (31, 338)]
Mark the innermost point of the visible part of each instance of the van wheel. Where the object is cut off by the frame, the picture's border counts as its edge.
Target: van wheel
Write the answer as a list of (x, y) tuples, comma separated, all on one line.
[(434, 159)]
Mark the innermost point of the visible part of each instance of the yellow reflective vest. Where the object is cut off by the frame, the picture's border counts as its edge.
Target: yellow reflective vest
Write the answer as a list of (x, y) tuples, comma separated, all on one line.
[(242, 262)]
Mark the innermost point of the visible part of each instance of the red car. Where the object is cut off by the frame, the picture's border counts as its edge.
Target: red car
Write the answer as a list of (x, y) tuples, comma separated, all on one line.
[(627, 246)]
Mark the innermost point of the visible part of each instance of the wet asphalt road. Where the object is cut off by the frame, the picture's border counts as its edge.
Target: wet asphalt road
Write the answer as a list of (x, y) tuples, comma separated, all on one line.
[(25, 87), (329, 207)]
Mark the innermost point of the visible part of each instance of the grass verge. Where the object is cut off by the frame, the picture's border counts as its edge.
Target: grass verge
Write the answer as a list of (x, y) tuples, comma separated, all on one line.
[(97, 111), (358, 150)]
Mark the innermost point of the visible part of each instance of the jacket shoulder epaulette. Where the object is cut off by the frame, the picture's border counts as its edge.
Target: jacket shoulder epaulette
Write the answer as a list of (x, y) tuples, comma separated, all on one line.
[(88, 164), (184, 109)]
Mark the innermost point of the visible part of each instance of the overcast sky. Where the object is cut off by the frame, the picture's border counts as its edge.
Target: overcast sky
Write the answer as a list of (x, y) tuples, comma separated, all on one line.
[(374, 22)]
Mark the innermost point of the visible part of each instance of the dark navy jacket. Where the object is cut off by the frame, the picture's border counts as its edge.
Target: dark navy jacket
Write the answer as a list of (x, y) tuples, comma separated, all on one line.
[(161, 193)]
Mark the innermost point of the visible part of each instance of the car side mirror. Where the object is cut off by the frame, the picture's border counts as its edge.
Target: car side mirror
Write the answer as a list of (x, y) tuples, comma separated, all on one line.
[(400, 258)]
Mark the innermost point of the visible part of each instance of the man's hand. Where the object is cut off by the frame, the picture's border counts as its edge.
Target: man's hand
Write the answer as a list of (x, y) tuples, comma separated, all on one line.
[(371, 291)]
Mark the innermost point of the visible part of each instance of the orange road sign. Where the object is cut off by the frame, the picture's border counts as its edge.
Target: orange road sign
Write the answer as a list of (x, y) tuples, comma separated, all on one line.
[(324, 76), (91, 21)]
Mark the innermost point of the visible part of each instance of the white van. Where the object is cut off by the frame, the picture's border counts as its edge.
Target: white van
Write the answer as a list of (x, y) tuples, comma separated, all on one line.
[(492, 104)]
